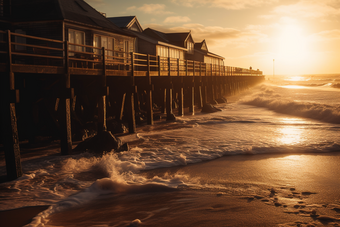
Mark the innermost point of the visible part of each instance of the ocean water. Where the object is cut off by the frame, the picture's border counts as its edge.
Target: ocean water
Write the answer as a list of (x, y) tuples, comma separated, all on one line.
[(283, 115)]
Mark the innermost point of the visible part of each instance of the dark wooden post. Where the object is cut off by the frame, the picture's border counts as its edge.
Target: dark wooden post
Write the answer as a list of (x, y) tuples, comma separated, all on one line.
[(65, 107), (169, 93), (225, 81), (200, 86), (192, 91), (204, 84), (163, 90), (130, 98), (149, 102), (159, 65), (9, 134), (216, 82), (212, 84), (102, 96), (220, 81), (180, 92)]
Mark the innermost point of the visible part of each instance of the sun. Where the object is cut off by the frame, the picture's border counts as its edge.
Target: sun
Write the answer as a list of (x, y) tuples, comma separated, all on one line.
[(292, 49)]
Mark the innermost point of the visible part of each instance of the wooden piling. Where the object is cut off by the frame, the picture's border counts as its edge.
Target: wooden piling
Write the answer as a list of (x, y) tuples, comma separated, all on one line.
[(65, 107), (102, 96), (180, 86), (192, 92), (10, 140), (130, 104), (169, 93), (149, 102), (199, 87), (9, 129)]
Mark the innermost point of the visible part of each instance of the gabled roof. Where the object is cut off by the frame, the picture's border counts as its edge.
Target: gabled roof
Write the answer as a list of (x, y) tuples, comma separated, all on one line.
[(178, 39), (77, 11), (160, 36), (127, 22), (201, 46)]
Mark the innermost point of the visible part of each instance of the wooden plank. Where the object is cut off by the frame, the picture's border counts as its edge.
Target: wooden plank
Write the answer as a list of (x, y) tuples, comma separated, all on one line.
[(85, 71), (37, 69)]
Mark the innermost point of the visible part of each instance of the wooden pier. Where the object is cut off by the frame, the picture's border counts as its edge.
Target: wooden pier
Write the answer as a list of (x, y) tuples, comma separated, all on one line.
[(50, 84)]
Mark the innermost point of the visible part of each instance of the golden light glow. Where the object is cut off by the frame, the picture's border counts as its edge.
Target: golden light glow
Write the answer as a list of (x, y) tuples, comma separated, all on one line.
[(296, 78), (294, 87), (290, 134), (292, 49), (293, 157)]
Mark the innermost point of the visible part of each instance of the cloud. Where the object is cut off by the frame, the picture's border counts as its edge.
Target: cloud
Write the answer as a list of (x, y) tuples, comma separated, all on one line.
[(177, 19), (309, 9), (326, 35), (226, 4), (256, 55), (216, 35), (151, 9)]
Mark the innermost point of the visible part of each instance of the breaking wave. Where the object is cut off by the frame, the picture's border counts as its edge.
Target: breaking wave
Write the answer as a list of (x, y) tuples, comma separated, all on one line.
[(275, 102)]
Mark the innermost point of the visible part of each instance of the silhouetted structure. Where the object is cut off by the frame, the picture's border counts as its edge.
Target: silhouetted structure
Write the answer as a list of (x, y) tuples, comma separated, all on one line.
[(66, 71)]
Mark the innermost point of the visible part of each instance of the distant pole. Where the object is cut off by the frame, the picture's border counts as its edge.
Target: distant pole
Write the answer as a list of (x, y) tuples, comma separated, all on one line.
[(273, 68)]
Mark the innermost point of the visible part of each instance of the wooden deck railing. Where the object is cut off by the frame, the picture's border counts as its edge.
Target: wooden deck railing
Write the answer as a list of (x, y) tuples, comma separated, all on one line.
[(49, 56)]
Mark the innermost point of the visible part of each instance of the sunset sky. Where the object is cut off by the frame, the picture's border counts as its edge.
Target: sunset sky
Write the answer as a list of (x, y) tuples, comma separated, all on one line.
[(303, 36)]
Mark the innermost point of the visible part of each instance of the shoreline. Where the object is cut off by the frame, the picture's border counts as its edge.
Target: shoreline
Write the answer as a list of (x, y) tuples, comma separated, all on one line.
[(257, 190), (20, 216)]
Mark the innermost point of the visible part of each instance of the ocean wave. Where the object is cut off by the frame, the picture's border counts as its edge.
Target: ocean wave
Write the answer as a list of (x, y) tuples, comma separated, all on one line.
[(335, 85), (322, 112)]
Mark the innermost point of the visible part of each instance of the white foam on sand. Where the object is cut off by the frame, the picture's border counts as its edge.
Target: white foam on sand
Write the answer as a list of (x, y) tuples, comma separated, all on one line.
[(121, 177)]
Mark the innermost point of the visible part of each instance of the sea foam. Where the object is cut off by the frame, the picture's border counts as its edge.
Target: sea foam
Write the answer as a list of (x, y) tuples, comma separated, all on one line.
[(276, 102)]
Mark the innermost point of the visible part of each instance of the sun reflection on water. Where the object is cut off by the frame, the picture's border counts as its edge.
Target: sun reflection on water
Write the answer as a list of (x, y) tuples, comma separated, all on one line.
[(296, 78), (291, 132), (294, 87), (290, 135)]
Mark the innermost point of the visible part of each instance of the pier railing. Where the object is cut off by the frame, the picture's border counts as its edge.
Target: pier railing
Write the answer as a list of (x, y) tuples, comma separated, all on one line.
[(52, 56)]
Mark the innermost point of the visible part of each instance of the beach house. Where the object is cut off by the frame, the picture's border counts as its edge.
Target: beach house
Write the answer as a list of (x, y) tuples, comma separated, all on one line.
[(173, 45), (74, 21)]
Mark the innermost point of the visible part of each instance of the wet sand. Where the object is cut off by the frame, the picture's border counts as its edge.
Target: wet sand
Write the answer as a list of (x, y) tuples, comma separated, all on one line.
[(19, 217), (243, 190)]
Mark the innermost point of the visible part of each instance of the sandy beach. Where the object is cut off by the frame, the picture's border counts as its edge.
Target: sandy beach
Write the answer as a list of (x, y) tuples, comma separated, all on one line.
[(252, 190)]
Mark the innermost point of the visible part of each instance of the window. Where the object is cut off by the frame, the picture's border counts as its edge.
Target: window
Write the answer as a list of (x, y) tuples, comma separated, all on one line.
[(190, 47), (175, 53), (106, 42), (76, 37), (163, 51)]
